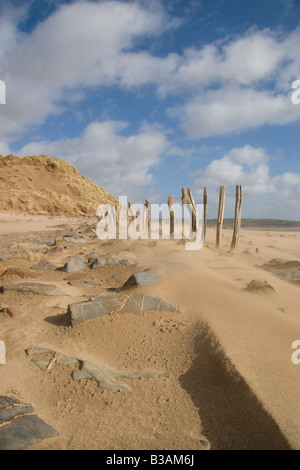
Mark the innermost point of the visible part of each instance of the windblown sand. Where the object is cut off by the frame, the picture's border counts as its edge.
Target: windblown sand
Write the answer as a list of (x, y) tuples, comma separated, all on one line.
[(223, 368)]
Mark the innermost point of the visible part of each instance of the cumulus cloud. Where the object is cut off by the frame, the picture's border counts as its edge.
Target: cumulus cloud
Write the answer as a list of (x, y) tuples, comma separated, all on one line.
[(268, 196), (120, 163), (78, 45)]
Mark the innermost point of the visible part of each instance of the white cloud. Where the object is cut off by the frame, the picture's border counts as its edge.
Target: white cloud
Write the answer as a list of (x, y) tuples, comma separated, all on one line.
[(234, 109), (120, 163), (268, 196), (78, 45)]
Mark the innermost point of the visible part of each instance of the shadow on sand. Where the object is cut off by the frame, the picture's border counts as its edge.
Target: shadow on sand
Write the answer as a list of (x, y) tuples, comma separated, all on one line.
[(232, 417)]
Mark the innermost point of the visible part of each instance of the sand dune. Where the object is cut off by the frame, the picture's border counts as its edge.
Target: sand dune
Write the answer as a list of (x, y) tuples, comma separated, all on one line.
[(223, 374)]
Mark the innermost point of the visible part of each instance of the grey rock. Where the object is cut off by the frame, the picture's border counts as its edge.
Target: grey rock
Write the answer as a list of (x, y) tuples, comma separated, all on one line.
[(102, 261), (142, 303), (104, 375), (20, 428), (98, 307), (75, 240), (34, 350), (43, 365), (30, 246), (44, 265), (45, 240), (140, 279), (74, 265), (34, 288), (3, 257)]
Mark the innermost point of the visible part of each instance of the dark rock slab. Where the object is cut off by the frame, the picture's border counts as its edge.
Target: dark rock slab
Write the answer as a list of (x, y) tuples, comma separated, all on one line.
[(45, 240), (140, 279), (33, 288), (19, 426), (74, 265), (105, 376), (142, 303), (44, 265), (102, 261), (98, 307), (285, 270), (76, 240), (87, 370)]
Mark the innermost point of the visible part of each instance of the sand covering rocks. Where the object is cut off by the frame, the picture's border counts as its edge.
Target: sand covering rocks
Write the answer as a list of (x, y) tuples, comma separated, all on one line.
[(218, 369)]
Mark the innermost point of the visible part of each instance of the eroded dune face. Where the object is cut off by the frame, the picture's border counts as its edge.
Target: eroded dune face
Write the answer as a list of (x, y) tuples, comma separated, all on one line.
[(219, 369)]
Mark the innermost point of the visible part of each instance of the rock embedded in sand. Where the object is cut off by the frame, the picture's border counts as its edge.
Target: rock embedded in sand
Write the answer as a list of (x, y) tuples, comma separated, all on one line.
[(11, 311), (105, 304), (21, 272), (257, 285), (140, 279), (19, 426), (45, 240), (85, 370), (34, 288), (74, 264), (143, 303), (76, 240), (88, 310), (44, 265), (102, 261)]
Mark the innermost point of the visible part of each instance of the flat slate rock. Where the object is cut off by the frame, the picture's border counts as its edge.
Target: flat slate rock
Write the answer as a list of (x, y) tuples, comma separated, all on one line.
[(100, 306), (33, 288), (44, 265), (106, 304), (19, 426), (139, 279), (143, 303), (76, 240), (45, 240), (74, 265), (87, 370), (102, 261)]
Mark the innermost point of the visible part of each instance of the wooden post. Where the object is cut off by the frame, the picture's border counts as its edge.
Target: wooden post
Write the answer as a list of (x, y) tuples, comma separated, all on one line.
[(237, 217), (187, 198), (220, 216), (204, 211), (147, 215), (171, 208)]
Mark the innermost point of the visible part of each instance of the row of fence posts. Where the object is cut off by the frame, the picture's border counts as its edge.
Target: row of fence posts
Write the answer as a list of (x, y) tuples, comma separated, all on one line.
[(187, 198)]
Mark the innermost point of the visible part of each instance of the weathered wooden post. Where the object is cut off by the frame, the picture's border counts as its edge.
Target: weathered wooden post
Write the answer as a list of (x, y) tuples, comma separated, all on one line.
[(204, 211), (172, 218), (237, 217), (220, 215), (147, 216), (187, 198)]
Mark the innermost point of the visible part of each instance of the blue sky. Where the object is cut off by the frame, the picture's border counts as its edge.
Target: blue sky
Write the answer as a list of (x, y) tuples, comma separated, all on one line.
[(145, 97)]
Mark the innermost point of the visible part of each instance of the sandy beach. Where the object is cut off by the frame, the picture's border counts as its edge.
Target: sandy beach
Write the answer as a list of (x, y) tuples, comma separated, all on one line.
[(222, 375)]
